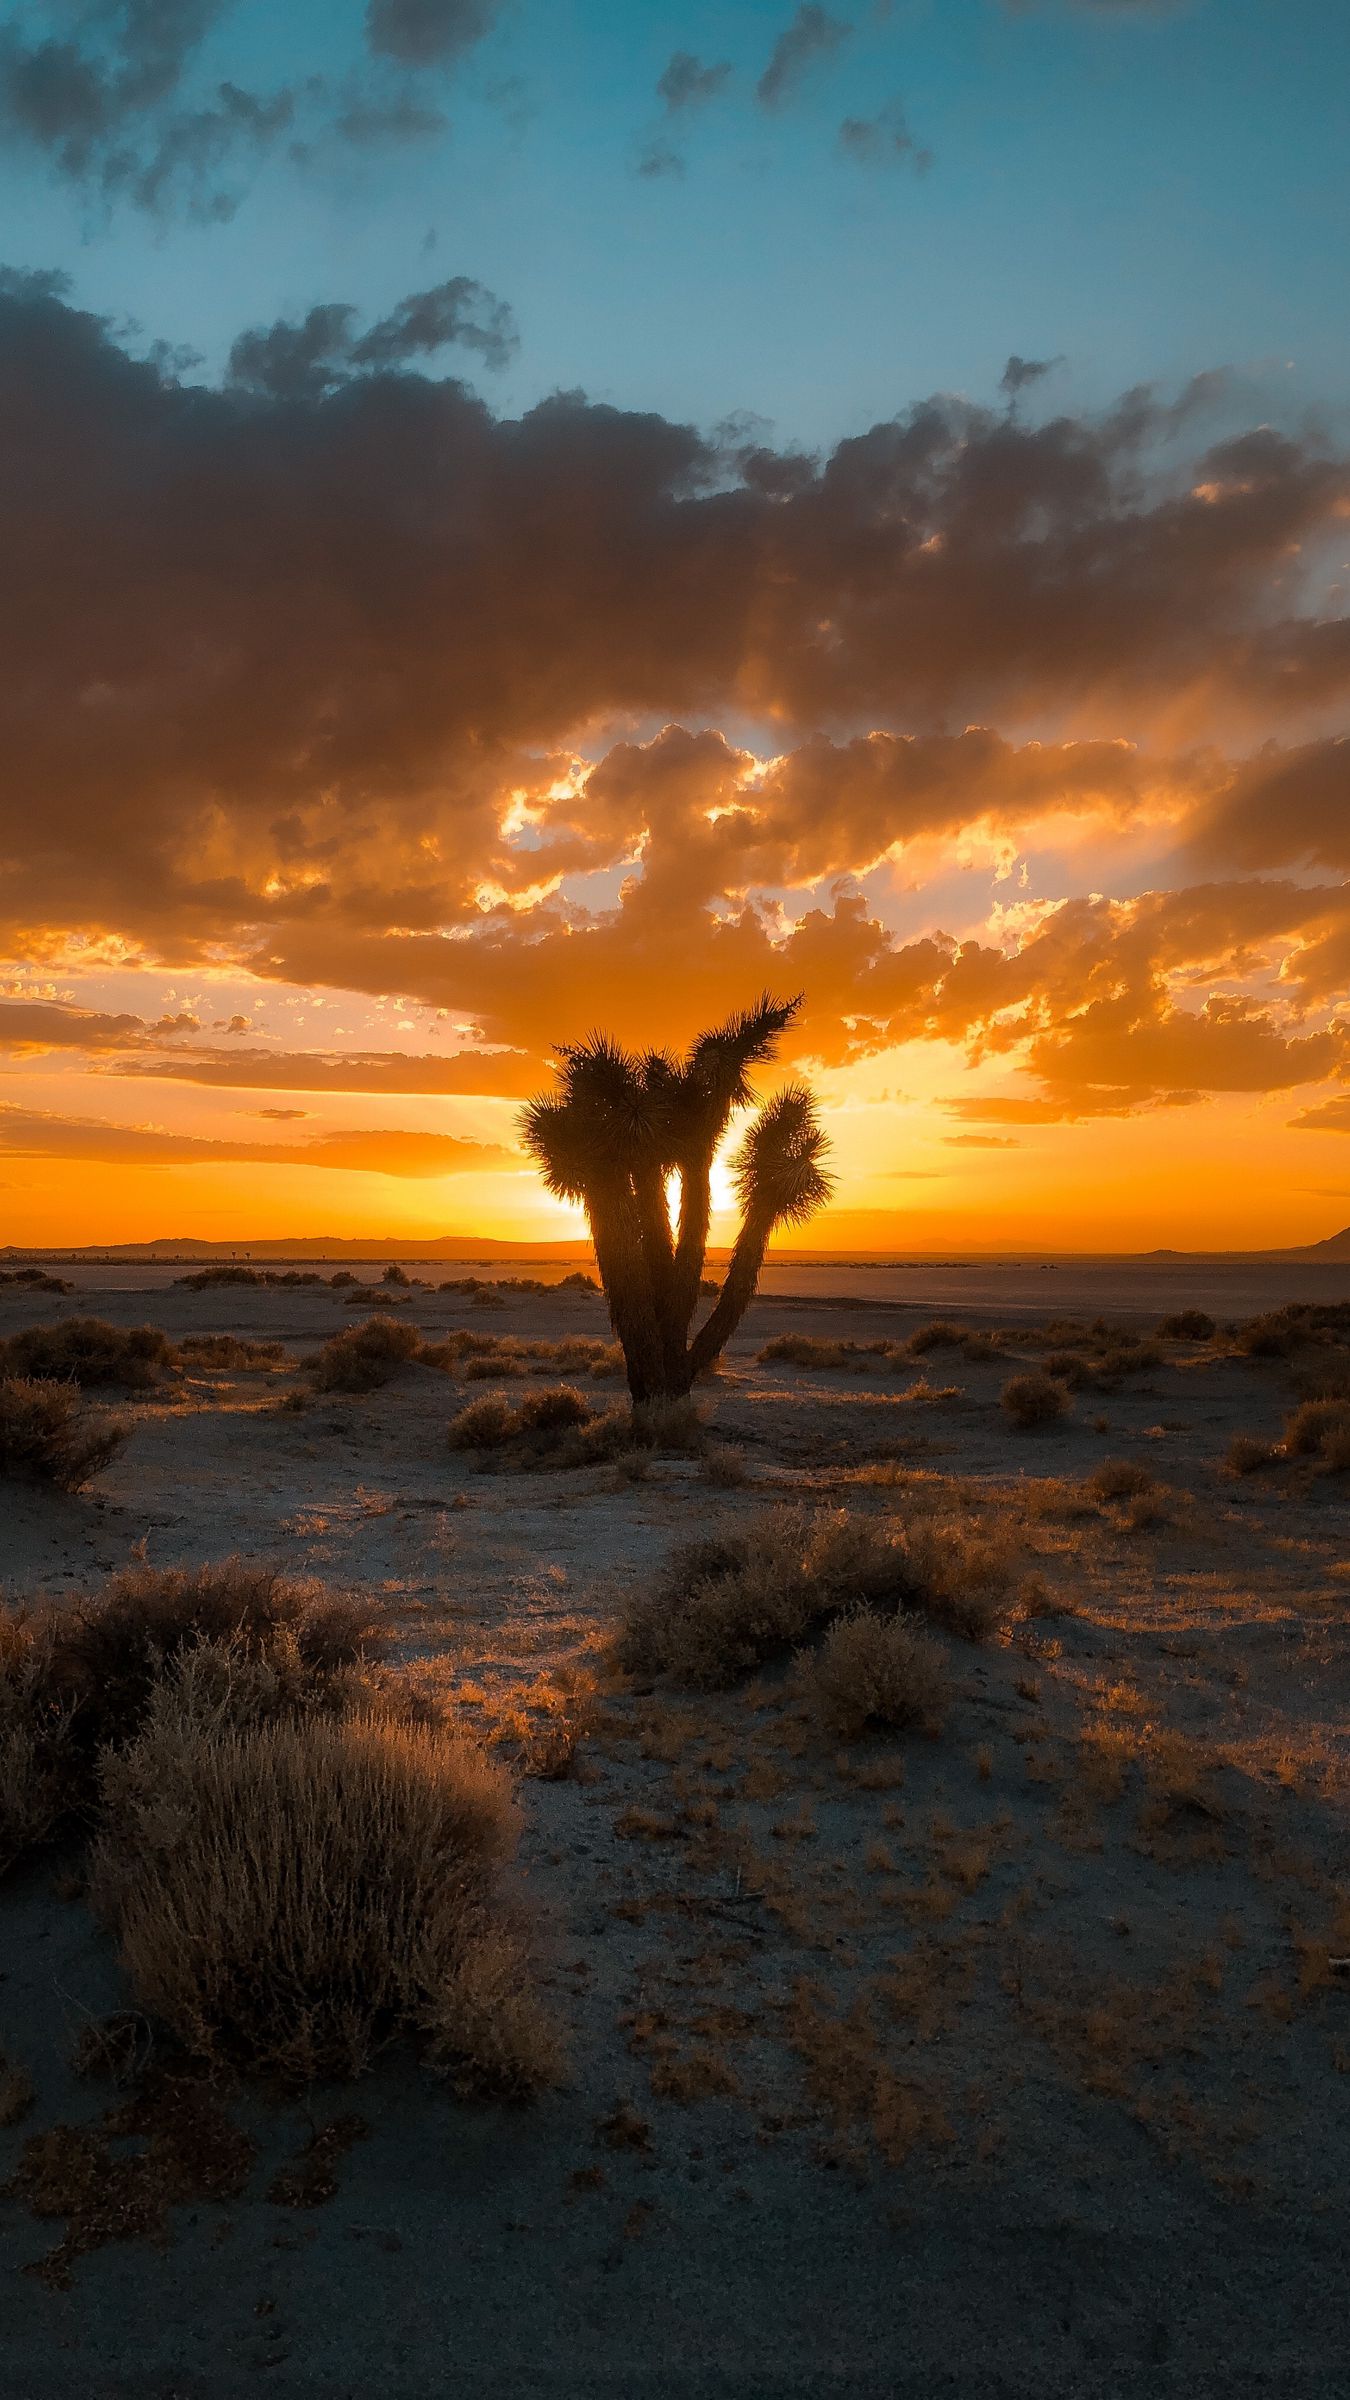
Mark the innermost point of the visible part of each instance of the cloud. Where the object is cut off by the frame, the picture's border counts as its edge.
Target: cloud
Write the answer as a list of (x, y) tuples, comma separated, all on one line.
[(298, 362), (1285, 808), (659, 159), (981, 1141), (101, 102), (1020, 373), (507, 1074), (35, 1133), (812, 36), (686, 83), (35, 1026), (423, 33), (884, 141), (1331, 1116)]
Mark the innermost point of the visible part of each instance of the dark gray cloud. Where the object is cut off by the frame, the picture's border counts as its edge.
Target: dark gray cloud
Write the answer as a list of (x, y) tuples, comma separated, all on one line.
[(102, 100), (884, 141), (1021, 373), (812, 36), (39, 1133), (657, 159), (686, 82), (424, 33), (299, 362)]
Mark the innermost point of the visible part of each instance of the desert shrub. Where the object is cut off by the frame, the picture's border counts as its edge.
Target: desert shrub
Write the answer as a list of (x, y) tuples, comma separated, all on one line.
[(556, 1410), (1247, 1454), (396, 1275), (101, 1662), (483, 1425), (872, 1670), (1274, 1335), (343, 1280), (229, 1350), (294, 1895), (726, 1604), (1320, 1429), (577, 1282), (1186, 1325), (34, 1772), (1119, 1479), (487, 1298), (1031, 1401), (939, 1335), (47, 1436), (981, 1346), (809, 1350), (205, 1277), (1072, 1368), (492, 1370), (725, 1466), (365, 1356), (1123, 1354), (86, 1351), (36, 1279)]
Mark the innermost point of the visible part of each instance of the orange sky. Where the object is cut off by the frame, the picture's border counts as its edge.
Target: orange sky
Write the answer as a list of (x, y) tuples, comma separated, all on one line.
[(329, 804)]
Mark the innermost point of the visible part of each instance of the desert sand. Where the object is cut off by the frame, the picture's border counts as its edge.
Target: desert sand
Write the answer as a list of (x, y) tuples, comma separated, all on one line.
[(1008, 2059)]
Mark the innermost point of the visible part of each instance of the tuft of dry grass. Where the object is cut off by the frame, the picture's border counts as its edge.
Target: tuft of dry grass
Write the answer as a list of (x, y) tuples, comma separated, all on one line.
[(1187, 1325), (364, 1357), (292, 1896), (1033, 1401), (46, 1436), (76, 1681), (1320, 1429), (1247, 1454), (230, 1350), (873, 1671), (86, 1351), (1120, 1479), (726, 1604)]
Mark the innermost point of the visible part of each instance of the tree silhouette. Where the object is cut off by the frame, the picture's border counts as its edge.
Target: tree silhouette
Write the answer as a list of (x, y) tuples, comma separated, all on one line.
[(615, 1133)]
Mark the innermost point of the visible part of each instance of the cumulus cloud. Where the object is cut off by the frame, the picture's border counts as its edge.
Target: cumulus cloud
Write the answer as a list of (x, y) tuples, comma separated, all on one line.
[(884, 140), (38, 1133), (813, 36), (685, 82), (423, 33), (287, 361), (101, 99)]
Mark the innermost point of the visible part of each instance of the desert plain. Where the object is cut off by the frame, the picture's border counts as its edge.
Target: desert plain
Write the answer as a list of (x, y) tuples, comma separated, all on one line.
[(996, 2052)]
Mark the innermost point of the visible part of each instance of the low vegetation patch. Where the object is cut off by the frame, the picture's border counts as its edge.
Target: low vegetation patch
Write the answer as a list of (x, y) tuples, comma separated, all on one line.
[(1187, 1325), (1320, 1429), (1120, 1479), (75, 1681), (48, 1437), (35, 1279), (86, 1351), (872, 1671), (727, 1604), (204, 1279), (291, 1896), (230, 1350), (559, 1427), (1247, 1454), (1033, 1401), (364, 1357)]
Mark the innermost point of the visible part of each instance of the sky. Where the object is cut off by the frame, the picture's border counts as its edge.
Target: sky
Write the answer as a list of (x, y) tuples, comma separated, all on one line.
[(520, 518)]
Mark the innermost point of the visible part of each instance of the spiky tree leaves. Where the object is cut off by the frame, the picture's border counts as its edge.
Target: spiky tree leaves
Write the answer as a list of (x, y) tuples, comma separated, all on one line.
[(618, 1129)]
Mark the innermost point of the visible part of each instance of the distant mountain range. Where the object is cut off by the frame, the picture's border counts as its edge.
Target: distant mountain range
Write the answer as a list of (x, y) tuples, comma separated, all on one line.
[(483, 1249)]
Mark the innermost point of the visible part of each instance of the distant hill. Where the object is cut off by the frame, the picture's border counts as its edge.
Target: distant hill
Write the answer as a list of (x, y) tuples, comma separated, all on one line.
[(1332, 1250), (465, 1247)]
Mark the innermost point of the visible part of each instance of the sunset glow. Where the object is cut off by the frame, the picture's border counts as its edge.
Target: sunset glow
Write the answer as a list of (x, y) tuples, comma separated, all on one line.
[(364, 736)]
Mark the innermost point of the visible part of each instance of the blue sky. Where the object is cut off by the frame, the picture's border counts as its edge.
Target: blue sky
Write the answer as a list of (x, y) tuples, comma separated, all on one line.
[(1141, 191)]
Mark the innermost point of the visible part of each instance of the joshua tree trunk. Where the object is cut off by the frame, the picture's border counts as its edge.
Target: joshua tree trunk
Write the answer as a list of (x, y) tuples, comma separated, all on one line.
[(620, 1127)]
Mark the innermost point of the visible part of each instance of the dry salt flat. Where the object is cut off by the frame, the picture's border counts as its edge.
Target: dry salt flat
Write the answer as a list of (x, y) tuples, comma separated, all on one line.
[(1007, 2056)]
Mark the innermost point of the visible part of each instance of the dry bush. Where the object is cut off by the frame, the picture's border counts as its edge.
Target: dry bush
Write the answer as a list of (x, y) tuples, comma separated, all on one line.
[(484, 1424), (86, 1351), (725, 1466), (1320, 1429), (294, 1895), (1186, 1325), (939, 1335), (1073, 1368), (48, 1437), (872, 1670), (1119, 1479), (1032, 1401), (35, 1279), (364, 1356), (1247, 1454), (809, 1350), (227, 1350), (726, 1604), (34, 1732), (558, 1410)]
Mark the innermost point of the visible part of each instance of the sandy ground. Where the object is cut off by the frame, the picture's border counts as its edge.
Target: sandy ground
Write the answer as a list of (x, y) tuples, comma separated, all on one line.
[(957, 2065)]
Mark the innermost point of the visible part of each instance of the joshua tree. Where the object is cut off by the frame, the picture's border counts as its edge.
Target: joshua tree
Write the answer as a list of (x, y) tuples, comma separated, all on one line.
[(622, 1126)]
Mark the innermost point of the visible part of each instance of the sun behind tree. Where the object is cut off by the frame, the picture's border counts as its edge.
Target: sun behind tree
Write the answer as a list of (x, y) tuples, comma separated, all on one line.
[(621, 1125)]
